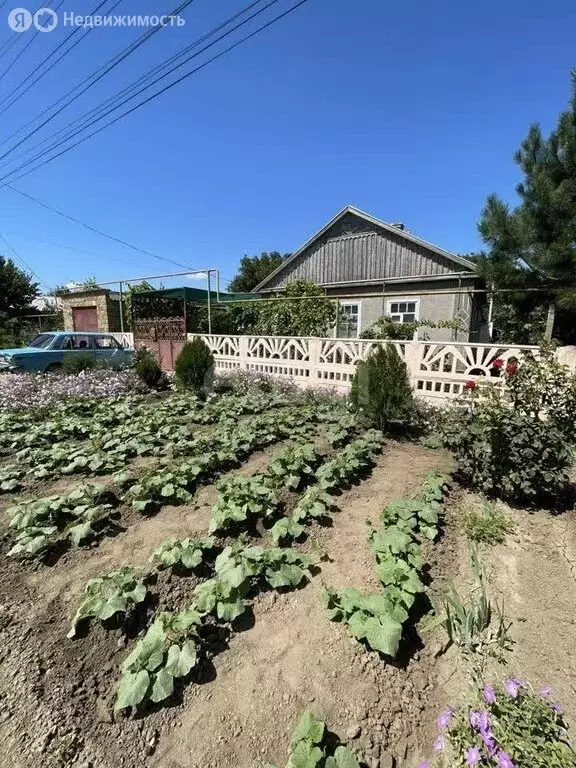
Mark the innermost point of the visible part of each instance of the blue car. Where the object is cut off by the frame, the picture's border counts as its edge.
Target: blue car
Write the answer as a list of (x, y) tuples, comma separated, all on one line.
[(47, 351)]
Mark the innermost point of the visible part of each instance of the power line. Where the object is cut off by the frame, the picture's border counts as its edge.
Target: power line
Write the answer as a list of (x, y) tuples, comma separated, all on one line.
[(32, 83), (94, 229), (97, 75), (28, 44), (152, 97), (28, 267), (120, 95)]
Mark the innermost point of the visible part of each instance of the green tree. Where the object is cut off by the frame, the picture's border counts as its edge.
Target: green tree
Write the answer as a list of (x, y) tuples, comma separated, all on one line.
[(253, 269), (303, 310), (17, 290), (533, 246), (128, 298)]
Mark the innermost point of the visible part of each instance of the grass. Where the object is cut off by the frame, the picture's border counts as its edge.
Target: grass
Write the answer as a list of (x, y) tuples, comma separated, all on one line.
[(487, 524)]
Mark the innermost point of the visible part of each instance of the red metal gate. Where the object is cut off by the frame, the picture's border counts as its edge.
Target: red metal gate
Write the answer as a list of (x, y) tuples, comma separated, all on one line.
[(165, 336)]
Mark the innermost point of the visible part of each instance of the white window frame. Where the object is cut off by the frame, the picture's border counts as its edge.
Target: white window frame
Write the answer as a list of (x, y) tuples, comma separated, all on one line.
[(399, 300), (341, 305)]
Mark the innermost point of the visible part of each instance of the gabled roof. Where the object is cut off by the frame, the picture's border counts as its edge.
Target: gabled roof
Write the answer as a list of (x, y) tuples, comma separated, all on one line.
[(457, 260)]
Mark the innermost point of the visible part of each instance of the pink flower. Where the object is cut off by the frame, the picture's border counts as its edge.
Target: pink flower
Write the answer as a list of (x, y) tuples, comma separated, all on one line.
[(498, 363), (439, 744), (473, 756), (470, 384), (511, 369), (504, 760), (489, 695), (444, 719)]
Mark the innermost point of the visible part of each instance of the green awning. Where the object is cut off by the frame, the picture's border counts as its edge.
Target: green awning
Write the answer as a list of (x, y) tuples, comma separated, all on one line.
[(198, 295)]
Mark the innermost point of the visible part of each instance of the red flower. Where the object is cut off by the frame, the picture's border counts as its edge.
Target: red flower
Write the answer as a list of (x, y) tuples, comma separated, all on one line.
[(511, 369), (498, 363), (470, 385)]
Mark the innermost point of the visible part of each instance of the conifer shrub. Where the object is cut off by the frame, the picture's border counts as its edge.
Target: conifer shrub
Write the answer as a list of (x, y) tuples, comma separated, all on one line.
[(146, 367), (194, 366), (381, 390)]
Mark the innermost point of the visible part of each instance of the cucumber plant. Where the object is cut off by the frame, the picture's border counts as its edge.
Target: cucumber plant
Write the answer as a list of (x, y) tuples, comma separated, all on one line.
[(241, 498), (104, 596), (351, 462), (188, 553), (294, 465), (168, 651), (309, 747)]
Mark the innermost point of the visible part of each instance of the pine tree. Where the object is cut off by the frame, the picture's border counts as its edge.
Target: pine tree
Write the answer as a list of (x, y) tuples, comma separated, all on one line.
[(534, 245)]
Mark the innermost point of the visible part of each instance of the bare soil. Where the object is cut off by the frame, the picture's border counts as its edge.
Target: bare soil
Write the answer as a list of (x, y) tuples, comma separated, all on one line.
[(57, 695)]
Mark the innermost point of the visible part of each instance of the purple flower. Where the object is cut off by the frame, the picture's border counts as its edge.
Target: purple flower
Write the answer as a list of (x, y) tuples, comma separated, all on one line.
[(473, 756), (489, 741), (489, 695), (439, 744), (480, 721), (504, 760), (444, 720), (545, 692), (425, 764), (512, 688)]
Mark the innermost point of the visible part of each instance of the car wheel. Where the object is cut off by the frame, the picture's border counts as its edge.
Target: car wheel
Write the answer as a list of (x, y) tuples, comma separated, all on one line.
[(53, 368)]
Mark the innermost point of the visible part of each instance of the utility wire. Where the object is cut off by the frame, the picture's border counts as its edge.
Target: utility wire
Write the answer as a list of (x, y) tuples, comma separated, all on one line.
[(49, 207), (152, 97), (28, 267), (17, 36), (92, 79), (32, 82), (120, 95), (28, 44)]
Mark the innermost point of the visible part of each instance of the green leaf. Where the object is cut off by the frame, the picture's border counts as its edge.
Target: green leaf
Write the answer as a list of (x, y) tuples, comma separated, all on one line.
[(181, 660), (228, 611), (305, 755), (383, 635), (115, 604), (191, 558), (132, 689), (343, 758), (309, 728), (163, 686), (167, 490)]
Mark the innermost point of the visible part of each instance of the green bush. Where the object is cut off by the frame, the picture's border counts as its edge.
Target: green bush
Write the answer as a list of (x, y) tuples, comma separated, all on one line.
[(193, 365), (145, 365), (512, 439), (381, 390), (75, 362), (487, 524)]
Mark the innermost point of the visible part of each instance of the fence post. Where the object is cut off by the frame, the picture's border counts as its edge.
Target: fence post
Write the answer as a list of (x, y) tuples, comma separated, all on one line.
[(314, 349), (243, 352), (412, 357)]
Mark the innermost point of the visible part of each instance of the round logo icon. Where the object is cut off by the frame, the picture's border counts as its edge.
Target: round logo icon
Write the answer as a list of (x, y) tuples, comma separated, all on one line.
[(45, 19), (19, 20)]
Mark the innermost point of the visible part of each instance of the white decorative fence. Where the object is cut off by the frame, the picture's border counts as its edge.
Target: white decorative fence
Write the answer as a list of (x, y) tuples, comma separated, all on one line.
[(437, 370)]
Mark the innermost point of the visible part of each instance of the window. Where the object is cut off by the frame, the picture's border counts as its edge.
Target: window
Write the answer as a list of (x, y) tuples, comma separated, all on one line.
[(43, 341), (106, 342), (75, 342), (349, 320), (404, 310)]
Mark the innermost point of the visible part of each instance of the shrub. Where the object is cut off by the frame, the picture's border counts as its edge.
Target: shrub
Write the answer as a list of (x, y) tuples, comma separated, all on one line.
[(381, 389), (194, 363), (75, 362), (488, 524), (504, 451), (145, 365), (509, 726)]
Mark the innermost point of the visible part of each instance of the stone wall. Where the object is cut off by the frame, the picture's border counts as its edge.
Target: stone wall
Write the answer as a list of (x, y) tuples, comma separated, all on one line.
[(107, 308)]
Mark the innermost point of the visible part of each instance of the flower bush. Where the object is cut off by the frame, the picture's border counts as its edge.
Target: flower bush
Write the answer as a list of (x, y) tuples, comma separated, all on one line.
[(509, 726), (31, 391), (512, 439)]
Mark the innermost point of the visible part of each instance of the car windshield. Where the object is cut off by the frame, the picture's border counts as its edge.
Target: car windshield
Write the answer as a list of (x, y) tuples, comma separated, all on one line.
[(43, 341)]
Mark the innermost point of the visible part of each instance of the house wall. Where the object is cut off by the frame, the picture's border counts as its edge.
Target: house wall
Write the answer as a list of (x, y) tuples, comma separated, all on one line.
[(108, 309), (433, 306)]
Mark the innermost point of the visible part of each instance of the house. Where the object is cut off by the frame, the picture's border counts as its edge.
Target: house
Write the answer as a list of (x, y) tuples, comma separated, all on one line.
[(373, 269), (90, 309)]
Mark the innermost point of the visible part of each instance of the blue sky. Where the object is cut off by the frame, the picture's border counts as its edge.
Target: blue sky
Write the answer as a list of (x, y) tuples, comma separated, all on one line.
[(409, 110)]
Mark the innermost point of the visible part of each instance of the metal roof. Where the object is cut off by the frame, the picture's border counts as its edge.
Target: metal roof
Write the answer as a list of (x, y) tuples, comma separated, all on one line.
[(194, 294), (373, 220)]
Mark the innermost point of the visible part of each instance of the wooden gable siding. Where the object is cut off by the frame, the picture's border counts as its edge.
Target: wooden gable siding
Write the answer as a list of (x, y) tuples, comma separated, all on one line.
[(355, 249)]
